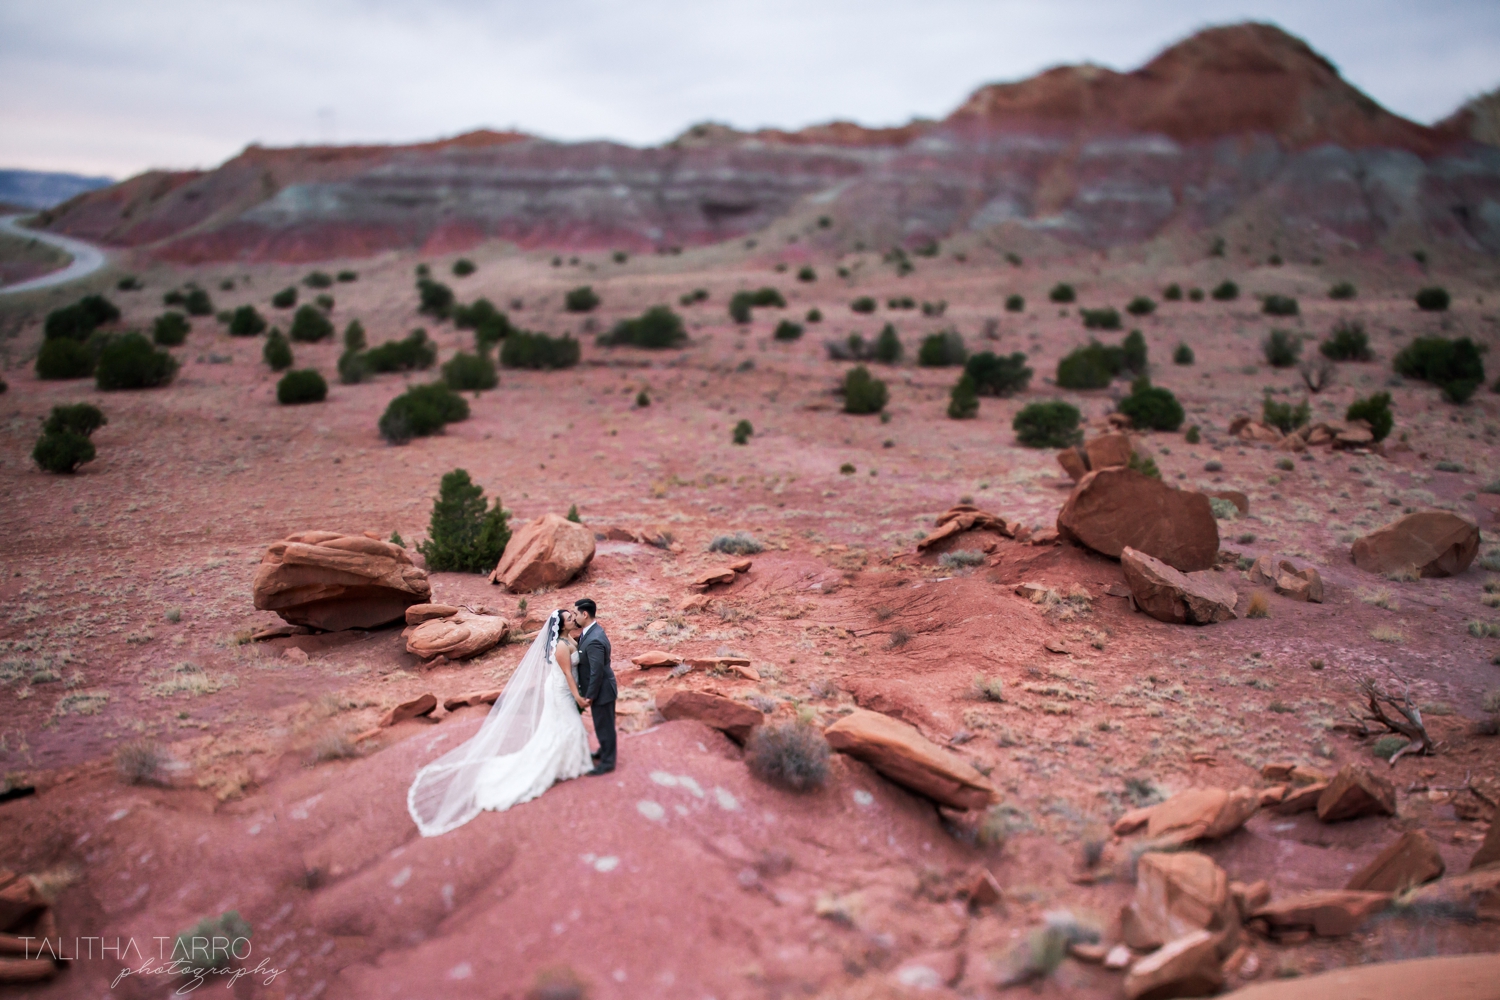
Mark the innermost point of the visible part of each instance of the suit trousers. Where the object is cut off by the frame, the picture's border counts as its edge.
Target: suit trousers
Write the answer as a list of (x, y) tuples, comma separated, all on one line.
[(604, 730)]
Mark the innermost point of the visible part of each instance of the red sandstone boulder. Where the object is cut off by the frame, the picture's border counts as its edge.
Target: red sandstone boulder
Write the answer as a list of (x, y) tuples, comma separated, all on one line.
[(1109, 451), (1410, 860), (1489, 851), (1200, 598), (547, 552), (332, 581), (1177, 894), (1114, 509), (655, 658), (734, 719), (1356, 791), (1299, 584), (471, 699), (1436, 542), (1186, 967), (1476, 891), (1074, 463), (1325, 912), (965, 517), (423, 704), (456, 636), (908, 758), (1450, 977)]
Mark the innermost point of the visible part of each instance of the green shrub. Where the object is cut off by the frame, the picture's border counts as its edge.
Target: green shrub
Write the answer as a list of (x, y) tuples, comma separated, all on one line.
[(277, 353), (692, 298), (464, 534), (245, 321), (1225, 291), (863, 304), (1052, 424), (324, 302), (354, 336), (170, 329), (130, 362), (62, 451), (1015, 303), (64, 358), (787, 330), (656, 328), (1284, 416), (1279, 305), (942, 350), (318, 279), (129, 283), (1172, 293), (767, 296), (463, 267), (1135, 355), (286, 298), (1107, 318), (1433, 299), (888, 348), (173, 298), (862, 393), (1062, 293), (1342, 291), (304, 386), (309, 326), (77, 321), (354, 367), (198, 303), (740, 305), (470, 372), (420, 411), (963, 402), (524, 349), (815, 315), (619, 256), (1183, 355), (1453, 365), (1282, 348), (642, 399), (806, 273), (434, 298), (581, 299), (212, 943), (1152, 407), (998, 375), (1348, 342), (1376, 411), (412, 352), (1142, 306), (423, 271), (1192, 436), (79, 418), (901, 302), (742, 432), (1145, 466), (1090, 367), (489, 324), (347, 276), (1195, 295)]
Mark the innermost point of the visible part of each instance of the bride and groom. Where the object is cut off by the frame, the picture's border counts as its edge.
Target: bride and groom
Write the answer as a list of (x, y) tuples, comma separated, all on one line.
[(533, 736)]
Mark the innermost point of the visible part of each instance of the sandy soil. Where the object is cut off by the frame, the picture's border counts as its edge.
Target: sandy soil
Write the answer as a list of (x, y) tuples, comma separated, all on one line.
[(123, 588)]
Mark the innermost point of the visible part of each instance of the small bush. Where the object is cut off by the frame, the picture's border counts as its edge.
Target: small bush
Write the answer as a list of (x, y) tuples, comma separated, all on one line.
[(786, 330), (64, 358), (767, 296), (354, 336), (942, 350), (961, 559), (863, 304), (743, 432), (434, 298), (420, 411), (80, 418), (1283, 416), (1152, 408), (790, 755), (1259, 607), (524, 349), (1107, 318), (309, 326), (738, 544), (888, 347), (1062, 293), (901, 302), (62, 451), (77, 321), (318, 279), (1134, 348), (1376, 411), (1172, 293), (1142, 306), (130, 362), (1347, 342), (286, 298), (806, 273), (1455, 366), (1052, 424), (411, 353), (1183, 355), (1343, 291), (581, 299), (1015, 303), (347, 276), (693, 298), (1090, 367), (470, 372), (129, 283), (1282, 348), (642, 399), (1225, 291), (814, 315), (1433, 299), (963, 402), (863, 394), (170, 329), (657, 328), (245, 321), (277, 353), (464, 534), (463, 267), (988, 688), (1145, 466), (1195, 295), (324, 302), (354, 367), (212, 943), (305, 386), (1279, 305), (142, 762), (998, 375)]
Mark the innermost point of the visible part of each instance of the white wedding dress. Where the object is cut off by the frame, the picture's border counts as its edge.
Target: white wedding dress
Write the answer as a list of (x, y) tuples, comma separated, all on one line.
[(533, 738)]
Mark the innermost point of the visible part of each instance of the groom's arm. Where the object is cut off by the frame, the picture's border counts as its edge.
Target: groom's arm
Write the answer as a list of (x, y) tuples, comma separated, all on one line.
[(593, 653)]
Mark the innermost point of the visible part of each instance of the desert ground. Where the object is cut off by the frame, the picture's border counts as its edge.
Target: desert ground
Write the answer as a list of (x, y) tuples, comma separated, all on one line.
[(125, 602)]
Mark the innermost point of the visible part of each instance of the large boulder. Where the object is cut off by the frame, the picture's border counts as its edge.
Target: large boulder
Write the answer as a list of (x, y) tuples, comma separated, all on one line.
[(456, 635), (547, 552), (1192, 814), (1410, 860), (1324, 912), (1111, 510), (1451, 977), (333, 581), (1186, 967), (908, 758), (1167, 595), (1356, 791), (1176, 894), (734, 719), (1436, 542)]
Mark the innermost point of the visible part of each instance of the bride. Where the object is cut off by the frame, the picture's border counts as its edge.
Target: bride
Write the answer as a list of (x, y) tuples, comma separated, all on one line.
[(532, 738)]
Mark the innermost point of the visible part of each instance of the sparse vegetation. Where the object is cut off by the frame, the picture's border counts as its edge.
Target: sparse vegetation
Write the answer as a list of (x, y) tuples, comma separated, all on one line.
[(1107, 318), (1225, 291), (741, 543), (1376, 411), (1342, 291), (1183, 355), (1062, 293), (1347, 342), (142, 762), (963, 401), (64, 444), (413, 352), (1090, 367), (863, 304), (888, 347), (286, 298), (1259, 607), (129, 361), (988, 688), (1454, 366), (434, 298), (692, 298), (1015, 303), (310, 325), (1051, 424), (787, 331), (1279, 305), (420, 411), (998, 375), (463, 267), (246, 321), (942, 350), (79, 320), (1152, 407), (584, 299), (318, 279), (212, 942), (742, 302), (863, 393), (806, 273), (657, 328), (466, 372), (1141, 305), (1284, 416), (64, 358), (464, 534), (961, 559), (1282, 348), (298, 387), (524, 349), (1432, 299), (790, 755), (170, 329), (277, 353)]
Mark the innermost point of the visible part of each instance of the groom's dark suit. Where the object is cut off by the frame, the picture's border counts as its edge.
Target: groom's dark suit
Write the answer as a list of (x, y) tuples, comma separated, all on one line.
[(596, 681)]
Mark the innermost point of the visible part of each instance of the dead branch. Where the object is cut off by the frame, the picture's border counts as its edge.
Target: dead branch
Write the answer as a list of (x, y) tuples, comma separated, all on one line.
[(1410, 722)]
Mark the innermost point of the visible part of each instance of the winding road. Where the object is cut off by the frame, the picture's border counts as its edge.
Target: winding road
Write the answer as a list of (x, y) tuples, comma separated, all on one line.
[(87, 258)]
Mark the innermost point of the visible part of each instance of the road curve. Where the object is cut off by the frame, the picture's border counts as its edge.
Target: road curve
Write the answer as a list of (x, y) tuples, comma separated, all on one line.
[(87, 258)]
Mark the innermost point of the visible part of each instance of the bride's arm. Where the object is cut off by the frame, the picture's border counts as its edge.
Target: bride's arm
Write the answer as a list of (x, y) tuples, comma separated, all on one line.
[(564, 658)]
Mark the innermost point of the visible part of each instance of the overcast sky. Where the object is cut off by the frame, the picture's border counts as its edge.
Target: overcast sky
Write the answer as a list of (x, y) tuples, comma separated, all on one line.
[(113, 88)]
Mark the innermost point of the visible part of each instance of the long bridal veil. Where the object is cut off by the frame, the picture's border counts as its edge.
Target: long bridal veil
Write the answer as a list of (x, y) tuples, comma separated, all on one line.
[(442, 796)]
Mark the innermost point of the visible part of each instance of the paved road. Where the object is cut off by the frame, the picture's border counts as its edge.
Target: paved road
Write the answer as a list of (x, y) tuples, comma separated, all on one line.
[(87, 258)]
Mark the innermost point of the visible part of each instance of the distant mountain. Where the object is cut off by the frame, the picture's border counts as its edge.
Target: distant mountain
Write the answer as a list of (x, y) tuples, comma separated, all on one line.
[(35, 189), (1243, 122)]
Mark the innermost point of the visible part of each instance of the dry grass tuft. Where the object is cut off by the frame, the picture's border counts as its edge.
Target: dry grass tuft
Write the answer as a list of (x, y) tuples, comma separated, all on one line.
[(142, 762), (1260, 606), (334, 746), (988, 688), (1386, 634), (792, 755)]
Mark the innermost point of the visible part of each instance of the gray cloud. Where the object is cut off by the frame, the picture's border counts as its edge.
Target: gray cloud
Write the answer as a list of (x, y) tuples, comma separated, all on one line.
[(114, 88)]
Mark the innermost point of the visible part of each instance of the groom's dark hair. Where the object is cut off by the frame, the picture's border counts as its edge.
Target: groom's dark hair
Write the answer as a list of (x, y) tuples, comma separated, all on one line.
[(588, 607)]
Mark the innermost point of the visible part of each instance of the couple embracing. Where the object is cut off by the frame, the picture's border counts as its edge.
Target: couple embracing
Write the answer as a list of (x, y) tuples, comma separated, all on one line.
[(534, 735)]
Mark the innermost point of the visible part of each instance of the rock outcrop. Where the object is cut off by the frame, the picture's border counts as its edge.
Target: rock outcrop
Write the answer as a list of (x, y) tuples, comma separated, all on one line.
[(966, 517), (908, 758), (734, 719), (547, 552), (455, 633), (1115, 509), (333, 581), (1434, 542), (1199, 598)]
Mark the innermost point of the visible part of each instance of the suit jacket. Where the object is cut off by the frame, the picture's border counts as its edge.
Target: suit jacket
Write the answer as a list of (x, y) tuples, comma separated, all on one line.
[(596, 678)]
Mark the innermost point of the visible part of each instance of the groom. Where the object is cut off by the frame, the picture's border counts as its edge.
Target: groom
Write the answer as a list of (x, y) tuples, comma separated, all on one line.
[(597, 682)]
